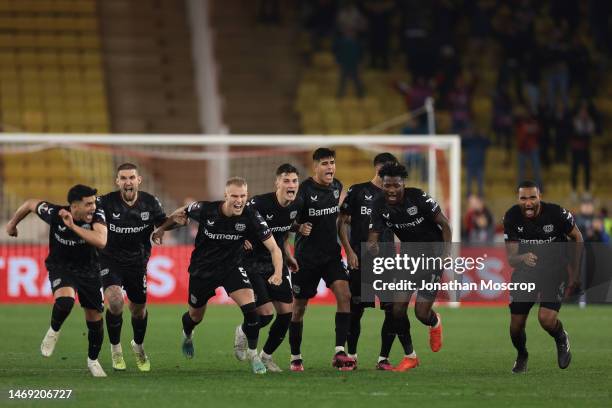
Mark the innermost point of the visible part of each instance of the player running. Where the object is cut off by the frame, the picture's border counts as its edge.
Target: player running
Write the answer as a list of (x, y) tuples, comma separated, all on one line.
[(75, 231), (131, 217), (318, 255), (355, 212), (279, 209), (414, 217), (531, 230), (217, 260)]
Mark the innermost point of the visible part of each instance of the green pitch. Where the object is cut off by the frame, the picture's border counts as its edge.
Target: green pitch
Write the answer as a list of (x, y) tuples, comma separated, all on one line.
[(472, 368)]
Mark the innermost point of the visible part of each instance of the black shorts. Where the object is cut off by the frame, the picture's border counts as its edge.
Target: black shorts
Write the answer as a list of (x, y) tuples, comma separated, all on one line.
[(202, 285), (549, 292), (132, 278), (88, 287), (306, 280), (422, 295), (259, 273)]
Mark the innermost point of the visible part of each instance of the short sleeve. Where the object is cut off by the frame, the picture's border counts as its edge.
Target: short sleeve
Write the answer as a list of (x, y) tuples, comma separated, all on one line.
[(428, 205), (259, 226), (99, 216), (379, 218), (510, 230), (47, 212), (159, 215), (194, 210), (347, 205), (567, 221)]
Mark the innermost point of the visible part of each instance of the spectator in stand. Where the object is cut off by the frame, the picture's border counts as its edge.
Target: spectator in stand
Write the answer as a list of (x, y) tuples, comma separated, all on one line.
[(475, 144), (544, 118), (321, 20), (527, 135), (460, 103), (580, 67), (562, 128), (503, 119), (415, 158), (566, 13), (478, 225), (348, 53), (268, 11), (415, 95), (350, 19), (378, 13), (580, 145), (556, 71)]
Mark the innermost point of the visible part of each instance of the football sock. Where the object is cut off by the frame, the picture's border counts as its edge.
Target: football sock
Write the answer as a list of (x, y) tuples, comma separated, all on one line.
[(250, 326), (387, 334), (139, 326), (519, 341), (61, 310), (402, 329), (557, 332), (95, 336), (113, 327), (188, 324), (265, 320), (354, 328), (432, 320), (343, 322), (295, 337), (277, 333)]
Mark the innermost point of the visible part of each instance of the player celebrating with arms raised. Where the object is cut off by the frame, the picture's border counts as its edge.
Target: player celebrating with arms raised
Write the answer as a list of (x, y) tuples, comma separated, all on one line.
[(74, 234), (131, 216), (413, 217), (217, 260), (532, 229), (318, 255)]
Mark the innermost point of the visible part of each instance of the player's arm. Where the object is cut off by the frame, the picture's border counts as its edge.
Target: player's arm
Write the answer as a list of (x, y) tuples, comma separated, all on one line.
[(277, 260), (515, 259), (447, 232), (177, 219), (344, 220), (574, 268), (377, 225), (95, 236), (24, 209), (289, 258)]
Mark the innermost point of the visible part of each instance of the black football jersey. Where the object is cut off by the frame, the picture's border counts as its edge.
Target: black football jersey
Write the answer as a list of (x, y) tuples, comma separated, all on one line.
[(358, 204), (65, 246), (279, 219), (220, 239), (551, 225), (321, 209), (130, 227), (412, 220)]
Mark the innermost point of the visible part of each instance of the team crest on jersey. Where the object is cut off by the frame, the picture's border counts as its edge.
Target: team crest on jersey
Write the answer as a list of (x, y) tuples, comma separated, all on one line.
[(314, 198), (240, 227), (520, 229), (412, 210), (116, 216), (269, 217), (367, 197), (61, 228), (548, 228), (296, 289), (336, 193), (144, 216), (292, 215), (104, 272), (56, 282), (210, 223)]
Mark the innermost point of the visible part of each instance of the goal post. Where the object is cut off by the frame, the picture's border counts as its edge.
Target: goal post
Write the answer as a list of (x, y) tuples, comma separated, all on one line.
[(226, 155)]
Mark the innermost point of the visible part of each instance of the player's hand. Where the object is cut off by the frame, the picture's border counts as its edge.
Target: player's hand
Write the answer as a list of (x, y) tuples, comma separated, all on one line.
[(352, 259), (530, 259), (276, 279), (292, 264), (373, 248), (11, 229), (247, 245), (180, 218), (305, 229), (157, 237), (66, 216)]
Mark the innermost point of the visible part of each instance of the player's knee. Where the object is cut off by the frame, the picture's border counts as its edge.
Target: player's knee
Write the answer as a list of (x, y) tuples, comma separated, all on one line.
[(547, 321), (298, 312), (196, 315), (422, 314), (398, 311), (64, 303), (139, 311), (265, 320), (115, 301)]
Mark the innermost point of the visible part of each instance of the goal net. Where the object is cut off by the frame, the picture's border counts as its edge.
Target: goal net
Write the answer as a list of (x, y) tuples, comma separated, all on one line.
[(178, 169)]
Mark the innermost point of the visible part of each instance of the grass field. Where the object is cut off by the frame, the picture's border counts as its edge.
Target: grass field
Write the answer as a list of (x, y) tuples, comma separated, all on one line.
[(472, 368)]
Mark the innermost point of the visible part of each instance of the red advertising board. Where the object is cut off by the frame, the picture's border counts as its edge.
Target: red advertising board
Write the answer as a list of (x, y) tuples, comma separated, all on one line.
[(23, 276)]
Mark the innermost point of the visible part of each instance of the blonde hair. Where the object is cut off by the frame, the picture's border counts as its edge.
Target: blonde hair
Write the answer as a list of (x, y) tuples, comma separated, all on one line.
[(236, 181)]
